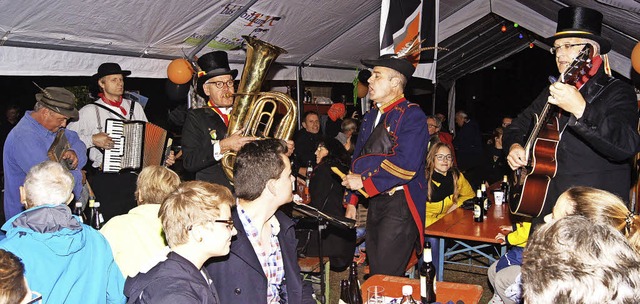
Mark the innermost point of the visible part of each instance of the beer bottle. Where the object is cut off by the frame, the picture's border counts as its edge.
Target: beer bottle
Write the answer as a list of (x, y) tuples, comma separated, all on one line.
[(485, 199), (77, 210), (308, 181), (294, 184), (427, 277), (354, 285), (504, 186), (96, 219), (407, 298), (344, 292), (478, 209)]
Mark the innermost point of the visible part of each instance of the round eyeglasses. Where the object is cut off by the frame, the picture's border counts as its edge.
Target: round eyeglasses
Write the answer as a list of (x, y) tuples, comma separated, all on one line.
[(220, 84)]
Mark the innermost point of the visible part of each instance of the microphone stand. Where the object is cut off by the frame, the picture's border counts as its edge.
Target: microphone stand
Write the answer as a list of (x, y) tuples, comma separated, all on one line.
[(323, 220)]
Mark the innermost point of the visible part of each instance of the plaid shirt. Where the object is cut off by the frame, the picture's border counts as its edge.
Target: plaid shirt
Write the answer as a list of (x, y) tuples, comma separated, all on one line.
[(271, 262)]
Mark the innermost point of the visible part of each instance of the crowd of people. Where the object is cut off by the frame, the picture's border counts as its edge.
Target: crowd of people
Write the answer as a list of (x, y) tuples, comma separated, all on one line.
[(213, 240)]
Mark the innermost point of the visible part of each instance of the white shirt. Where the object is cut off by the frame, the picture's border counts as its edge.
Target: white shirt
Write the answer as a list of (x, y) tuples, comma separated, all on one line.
[(87, 125)]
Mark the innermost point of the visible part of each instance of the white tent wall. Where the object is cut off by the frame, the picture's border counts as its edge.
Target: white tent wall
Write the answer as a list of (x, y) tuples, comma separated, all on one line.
[(72, 37)]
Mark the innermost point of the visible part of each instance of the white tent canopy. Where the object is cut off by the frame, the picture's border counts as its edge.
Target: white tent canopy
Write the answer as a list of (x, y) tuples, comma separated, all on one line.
[(326, 38)]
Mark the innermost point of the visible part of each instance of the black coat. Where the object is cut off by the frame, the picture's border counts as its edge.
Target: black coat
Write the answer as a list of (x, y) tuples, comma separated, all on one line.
[(327, 194), (174, 280), (306, 144), (239, 278), (197, 147), (594, 150)]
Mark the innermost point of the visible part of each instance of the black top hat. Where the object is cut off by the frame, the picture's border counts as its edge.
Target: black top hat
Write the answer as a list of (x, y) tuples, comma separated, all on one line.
[(581, 22), (110, 68), (213, 64), (59, 100), (401, 65)]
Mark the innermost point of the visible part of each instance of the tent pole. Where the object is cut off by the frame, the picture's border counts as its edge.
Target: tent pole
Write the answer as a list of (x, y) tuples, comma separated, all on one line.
[(433, 98), (298, 94)]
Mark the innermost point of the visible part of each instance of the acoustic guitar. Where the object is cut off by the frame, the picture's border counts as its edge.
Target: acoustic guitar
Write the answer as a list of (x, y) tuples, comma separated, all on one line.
[(531, 183)]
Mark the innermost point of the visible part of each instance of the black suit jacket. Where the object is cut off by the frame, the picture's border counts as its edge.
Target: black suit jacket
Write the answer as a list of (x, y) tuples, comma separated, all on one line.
[(239, 278), (197, 148)]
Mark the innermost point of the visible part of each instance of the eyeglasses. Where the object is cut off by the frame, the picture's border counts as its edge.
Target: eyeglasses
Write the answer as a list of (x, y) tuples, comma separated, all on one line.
[(442, 157), (220, 84), (228, 222), (565, 47), (321, 147), (35, 298), (432, 126)]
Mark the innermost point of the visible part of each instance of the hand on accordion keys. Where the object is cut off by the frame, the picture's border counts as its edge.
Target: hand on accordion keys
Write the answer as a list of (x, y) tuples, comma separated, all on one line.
[(102, 141)]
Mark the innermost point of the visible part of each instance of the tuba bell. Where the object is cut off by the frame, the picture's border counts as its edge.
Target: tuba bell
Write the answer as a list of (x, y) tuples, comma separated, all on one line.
[(254, 111)]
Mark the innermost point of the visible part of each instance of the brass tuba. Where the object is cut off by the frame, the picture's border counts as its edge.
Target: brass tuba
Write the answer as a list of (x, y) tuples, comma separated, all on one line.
[(253, 110)]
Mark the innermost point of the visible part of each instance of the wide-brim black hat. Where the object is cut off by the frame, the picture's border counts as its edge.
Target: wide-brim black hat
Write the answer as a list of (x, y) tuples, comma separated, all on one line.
[(59, 100), (401, 65), (211, 65), (581, 22), (110, 68)]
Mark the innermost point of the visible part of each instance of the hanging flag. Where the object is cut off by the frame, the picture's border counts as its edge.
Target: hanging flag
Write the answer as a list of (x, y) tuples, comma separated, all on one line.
[(402, 21)]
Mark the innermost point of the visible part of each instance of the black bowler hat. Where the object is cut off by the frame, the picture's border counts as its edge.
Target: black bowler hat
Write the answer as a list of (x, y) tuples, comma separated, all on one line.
[(211, 65), (403, 66), (581, 22), (110, 68)]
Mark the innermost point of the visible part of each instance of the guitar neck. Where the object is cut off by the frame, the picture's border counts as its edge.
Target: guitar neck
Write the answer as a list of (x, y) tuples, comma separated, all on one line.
[(541, 121)]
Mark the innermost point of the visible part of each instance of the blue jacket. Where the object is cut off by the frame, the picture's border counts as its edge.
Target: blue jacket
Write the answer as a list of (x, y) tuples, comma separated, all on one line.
[(239, 278), (25, 147), (65, 261), (404, 165)]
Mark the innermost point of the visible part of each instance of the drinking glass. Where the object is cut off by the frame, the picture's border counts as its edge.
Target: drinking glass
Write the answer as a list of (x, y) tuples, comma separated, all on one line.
[(498, 197), (375, 295)]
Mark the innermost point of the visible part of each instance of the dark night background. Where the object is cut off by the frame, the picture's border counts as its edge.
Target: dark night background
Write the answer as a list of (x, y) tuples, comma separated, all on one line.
[(486, 95)]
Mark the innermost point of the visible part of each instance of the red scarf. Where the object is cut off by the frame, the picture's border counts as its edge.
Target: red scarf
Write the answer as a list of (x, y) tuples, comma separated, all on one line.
[(225, 117), (113, 103)]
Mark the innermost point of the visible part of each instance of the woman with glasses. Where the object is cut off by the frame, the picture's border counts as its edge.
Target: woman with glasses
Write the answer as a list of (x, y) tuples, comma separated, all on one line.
[(326, 195), (447, 187), (197, 223)]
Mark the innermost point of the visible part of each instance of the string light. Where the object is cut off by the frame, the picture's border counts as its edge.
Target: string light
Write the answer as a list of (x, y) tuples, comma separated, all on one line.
[(530, 45), (515, 24), (520, 36), (503, 28)]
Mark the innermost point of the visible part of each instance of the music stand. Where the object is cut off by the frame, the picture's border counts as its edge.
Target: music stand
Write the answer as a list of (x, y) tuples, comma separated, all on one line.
[(323, 220)]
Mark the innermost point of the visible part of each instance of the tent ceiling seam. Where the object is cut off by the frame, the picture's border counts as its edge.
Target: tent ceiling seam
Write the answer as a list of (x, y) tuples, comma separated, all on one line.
[(338, 34)]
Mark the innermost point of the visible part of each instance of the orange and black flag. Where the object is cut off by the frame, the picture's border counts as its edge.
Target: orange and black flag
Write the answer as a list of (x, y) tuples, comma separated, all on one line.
[(401, 22)]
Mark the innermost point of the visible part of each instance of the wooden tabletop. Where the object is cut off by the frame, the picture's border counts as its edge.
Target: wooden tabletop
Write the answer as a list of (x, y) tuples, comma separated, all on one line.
[(459, 224), (445, 291)]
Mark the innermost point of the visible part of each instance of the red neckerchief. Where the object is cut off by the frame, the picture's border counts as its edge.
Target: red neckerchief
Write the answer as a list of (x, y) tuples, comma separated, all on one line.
[(596, 63), (112, 103), (225, 117)]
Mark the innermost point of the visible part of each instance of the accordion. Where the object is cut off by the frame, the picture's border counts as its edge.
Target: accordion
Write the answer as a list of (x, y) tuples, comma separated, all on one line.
[(137, 144)]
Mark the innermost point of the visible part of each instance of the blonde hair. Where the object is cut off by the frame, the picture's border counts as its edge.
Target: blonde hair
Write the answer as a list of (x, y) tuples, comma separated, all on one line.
[(431, 166), (154, 184), (604, 207), (12, 285), (191, 203)]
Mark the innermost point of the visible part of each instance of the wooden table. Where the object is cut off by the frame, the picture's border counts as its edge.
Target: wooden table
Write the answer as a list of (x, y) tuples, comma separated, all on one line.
[(460, 227), (445, 291)]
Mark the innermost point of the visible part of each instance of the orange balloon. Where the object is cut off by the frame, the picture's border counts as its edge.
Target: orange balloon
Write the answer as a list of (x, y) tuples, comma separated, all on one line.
[(635, 58), (180, 71)]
